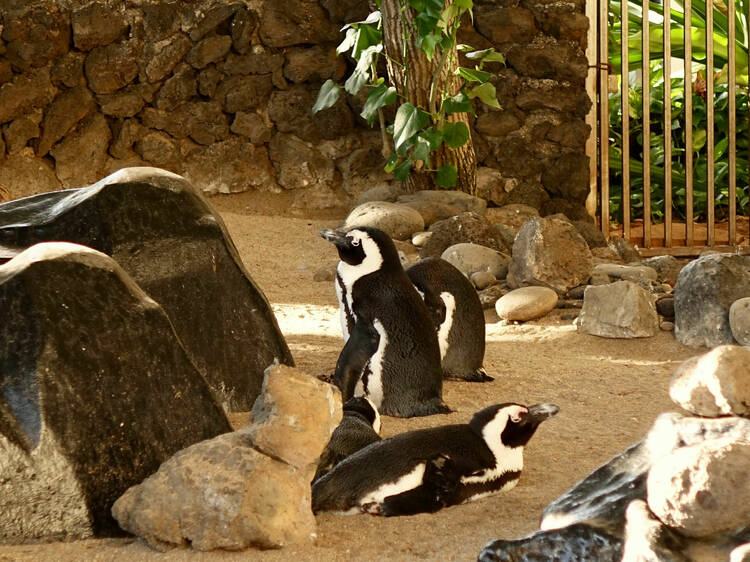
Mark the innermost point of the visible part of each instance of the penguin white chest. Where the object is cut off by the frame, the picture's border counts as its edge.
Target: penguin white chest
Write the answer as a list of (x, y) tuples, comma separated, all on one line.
[(373, 386), (445, 328)]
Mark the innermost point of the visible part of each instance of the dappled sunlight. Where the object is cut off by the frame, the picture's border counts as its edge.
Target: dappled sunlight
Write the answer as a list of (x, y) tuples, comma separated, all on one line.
[(308, 319), (526, 333)]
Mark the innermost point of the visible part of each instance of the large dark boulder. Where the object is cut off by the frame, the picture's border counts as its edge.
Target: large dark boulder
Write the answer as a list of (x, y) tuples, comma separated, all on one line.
[(162, 231), (96, 391)]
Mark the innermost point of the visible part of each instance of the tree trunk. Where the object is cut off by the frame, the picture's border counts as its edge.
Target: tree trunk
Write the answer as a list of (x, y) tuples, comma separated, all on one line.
[(412, 76)]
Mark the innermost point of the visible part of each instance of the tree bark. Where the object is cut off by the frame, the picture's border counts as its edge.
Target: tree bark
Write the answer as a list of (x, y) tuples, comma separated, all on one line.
[(411, 73)]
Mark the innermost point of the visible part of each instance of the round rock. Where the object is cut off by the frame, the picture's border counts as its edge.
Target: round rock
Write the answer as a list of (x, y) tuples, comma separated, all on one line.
[(526, 303), (470, 258), (702, 489), (397, 221), (421, 238), (483, 279), (739, 321)]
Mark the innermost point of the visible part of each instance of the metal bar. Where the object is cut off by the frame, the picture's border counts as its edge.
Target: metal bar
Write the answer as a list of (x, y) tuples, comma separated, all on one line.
[(688, 85), (667, 123), (732, 125), (646, 82), (591, 77), (604, 114), (710, 122), (625, 105)]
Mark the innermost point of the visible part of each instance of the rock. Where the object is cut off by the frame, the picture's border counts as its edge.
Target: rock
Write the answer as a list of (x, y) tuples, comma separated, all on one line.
[(625, 250), (164, 55), (384, 192), (505, 24), (22, 174), (361, 169), (124, 103), (526, 303), (506, 234), (279, 26), (458, 199), (202, 22), (705, 290), (81, 155), (577, 292), (647, 539), (254, 500), (256, 62), (665, 307), (19, 132), (252, 126), (666, 326), (471, 258), (482, 279), (91, 369), (38, 37), (294, 416), (243, 93), (606, 255), (633, 273), (492, 185), (618, 310), (158, 227), (299, 165), (601, 498), (667, 268), (208, 81), (111, 67), (432, 211), (489, 296), (65, 112), (290, 112), (157, 148), (715, 383), (513, 215), (313, 64), (593, 236), (420, 238), (577, 542), (702, 490), (466, 227), (257, 479), (572, 211), (204, 122), (739, 320), (549, 252), (210, 49), (96, 25), (528, 193), (178, 88), (244, 24), (68, 70), (569, 303), (397, 221), (24, 93)]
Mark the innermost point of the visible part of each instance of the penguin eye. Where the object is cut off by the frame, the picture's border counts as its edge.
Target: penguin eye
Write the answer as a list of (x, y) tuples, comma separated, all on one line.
[(355, 241)]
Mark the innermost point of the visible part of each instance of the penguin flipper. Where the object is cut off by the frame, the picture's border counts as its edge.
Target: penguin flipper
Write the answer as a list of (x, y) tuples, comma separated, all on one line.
[(436, 307), (362, 343)]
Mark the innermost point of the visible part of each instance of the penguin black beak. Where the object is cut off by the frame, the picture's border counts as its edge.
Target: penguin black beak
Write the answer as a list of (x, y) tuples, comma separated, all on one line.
[(336, 237), (538, 413)]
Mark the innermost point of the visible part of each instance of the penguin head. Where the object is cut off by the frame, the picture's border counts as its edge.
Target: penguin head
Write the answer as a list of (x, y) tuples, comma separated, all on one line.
[(510, 425), (363, 407), (364, 249)]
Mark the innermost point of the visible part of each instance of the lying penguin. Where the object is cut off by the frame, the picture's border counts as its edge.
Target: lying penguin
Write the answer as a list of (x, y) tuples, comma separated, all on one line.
[(458, 316), (391, 354), (425, 470), (359, 427)]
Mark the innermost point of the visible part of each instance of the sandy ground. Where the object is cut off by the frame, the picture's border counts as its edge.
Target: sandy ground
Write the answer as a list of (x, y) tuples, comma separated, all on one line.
[(609, 392)]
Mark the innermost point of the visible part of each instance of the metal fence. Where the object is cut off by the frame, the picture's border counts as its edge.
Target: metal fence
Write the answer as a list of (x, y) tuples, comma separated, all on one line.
[(688, 235)]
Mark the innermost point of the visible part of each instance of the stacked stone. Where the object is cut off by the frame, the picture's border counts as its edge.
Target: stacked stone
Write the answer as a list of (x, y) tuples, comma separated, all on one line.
[(678, 494), (221, 93)]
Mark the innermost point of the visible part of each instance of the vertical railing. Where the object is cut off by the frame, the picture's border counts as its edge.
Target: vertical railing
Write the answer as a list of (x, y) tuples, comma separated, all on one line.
[(598, 147)]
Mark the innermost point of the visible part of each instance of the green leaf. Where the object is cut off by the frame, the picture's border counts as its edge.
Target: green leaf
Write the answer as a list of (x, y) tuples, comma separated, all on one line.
[(486, 55), (433, 136), (361, 73), (464, 4), (356, 81), (418, 5), (446, 176), (368, 36), (473, 75), (485, 92), (433, 8), (380, 96), (427, 44), (409, 121), (422, 149), (460, 103), (455, 134), (391, 164), (327, 96), (425, 24), (401, 172)]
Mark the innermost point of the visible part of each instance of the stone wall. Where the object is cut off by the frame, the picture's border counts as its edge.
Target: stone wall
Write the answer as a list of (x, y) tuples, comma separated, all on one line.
[(221, 92)]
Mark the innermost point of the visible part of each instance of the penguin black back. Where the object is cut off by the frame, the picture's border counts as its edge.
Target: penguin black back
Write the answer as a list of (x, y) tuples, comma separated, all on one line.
[(458, 317)]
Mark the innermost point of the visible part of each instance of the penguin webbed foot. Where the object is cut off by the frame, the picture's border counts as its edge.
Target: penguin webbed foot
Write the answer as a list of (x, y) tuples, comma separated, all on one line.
[(373, 508), (326, 377), (478, 375)]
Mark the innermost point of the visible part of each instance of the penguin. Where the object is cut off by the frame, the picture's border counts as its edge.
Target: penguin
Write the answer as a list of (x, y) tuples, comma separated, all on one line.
[(425, 470), (458, 316), (391, 354), (359, 427)]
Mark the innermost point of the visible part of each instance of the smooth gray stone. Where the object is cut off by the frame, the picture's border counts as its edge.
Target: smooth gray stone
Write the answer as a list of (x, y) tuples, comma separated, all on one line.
[(164, 233), (96, 391)]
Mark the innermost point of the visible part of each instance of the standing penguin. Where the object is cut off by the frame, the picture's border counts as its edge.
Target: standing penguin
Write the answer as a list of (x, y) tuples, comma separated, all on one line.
[(391, 353), (425, 470), (359, 427), (458, 316)]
